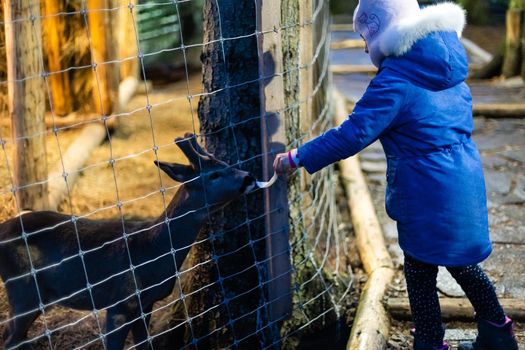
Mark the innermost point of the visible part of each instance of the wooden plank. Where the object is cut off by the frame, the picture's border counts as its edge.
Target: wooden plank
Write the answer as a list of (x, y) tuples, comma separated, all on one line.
[(455, 309), (54, 33), (273, 142), (344, 27), (26, 100), (500, 110), (371, 325), (350, 69), (348, 44), (371, 69)]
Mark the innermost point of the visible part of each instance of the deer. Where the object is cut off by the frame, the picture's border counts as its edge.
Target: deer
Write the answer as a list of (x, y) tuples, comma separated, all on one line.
[(121, 266)]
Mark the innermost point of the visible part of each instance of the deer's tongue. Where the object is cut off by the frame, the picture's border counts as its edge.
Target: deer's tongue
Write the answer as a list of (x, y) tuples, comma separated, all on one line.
[(267, 184)]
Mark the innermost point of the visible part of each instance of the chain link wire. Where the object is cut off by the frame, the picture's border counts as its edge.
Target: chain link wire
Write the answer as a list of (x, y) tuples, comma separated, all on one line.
[(318, 222)]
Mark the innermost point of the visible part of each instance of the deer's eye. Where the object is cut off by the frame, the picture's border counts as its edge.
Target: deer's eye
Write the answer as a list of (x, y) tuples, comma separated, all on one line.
[(214, 176)]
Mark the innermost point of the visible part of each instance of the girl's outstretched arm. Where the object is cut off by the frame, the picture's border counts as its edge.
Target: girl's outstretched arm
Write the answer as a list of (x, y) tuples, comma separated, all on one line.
[(374, 114)]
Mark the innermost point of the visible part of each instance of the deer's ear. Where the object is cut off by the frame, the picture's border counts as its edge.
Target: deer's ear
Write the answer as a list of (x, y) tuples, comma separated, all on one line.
[(178, 172)]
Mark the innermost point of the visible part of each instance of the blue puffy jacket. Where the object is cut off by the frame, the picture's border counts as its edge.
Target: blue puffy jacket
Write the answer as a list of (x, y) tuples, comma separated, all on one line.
[(420, 108)]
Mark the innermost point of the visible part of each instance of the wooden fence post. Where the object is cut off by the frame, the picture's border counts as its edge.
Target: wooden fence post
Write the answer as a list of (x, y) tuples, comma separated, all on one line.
[(104, 48), (306, 73), (127, 38), (26, 99), (54, 29), (273, 140), (513, 61)]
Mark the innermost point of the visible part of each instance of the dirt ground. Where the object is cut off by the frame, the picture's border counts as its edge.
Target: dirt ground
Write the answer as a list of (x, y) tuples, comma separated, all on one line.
[(95, 193)]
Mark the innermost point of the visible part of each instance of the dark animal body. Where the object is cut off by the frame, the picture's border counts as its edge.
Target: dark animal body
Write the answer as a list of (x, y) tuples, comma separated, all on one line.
[(124, 267)]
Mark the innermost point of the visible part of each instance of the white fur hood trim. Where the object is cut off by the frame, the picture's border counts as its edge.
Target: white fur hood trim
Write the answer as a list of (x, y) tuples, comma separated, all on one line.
[(399, 38)]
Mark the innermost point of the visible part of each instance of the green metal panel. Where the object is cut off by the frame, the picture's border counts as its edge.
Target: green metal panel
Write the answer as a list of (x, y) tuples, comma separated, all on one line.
[(160, 28)]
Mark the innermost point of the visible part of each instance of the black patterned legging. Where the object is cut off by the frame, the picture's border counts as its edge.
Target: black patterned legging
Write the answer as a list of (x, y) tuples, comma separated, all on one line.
[(424, 302)]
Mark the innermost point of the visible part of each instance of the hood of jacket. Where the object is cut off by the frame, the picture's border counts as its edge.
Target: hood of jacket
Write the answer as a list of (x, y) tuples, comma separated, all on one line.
[(422, 45), (436, 62), (427, 50)]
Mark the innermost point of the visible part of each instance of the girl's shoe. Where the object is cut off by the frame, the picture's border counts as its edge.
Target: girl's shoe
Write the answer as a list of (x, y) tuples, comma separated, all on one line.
[(419, 345), (492, 336)]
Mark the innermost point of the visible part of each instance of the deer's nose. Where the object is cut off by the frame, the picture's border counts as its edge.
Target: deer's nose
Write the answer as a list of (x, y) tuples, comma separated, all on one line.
[(247, 183)]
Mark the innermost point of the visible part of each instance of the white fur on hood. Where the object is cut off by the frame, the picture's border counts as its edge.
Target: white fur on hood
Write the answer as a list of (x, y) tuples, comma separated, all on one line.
[(399, 38)]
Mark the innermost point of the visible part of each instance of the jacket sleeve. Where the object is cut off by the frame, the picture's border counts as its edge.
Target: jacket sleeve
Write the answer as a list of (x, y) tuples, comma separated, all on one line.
[(372, 115)]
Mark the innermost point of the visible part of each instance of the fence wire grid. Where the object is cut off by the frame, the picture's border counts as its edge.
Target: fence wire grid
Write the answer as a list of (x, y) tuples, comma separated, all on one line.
[(119, 185)]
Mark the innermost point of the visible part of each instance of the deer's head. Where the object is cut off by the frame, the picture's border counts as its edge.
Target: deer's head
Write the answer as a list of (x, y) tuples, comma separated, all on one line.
[(218, 182)]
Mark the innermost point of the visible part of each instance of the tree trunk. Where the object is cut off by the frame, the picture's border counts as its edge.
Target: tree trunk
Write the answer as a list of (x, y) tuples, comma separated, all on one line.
[(26, 99), (523, 45), (223, 291), (510, 60), (305, 93), (513, 50), (230, 310)]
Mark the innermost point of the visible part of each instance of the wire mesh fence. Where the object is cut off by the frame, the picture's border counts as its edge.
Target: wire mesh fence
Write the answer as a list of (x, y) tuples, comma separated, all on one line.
[(149, 250)]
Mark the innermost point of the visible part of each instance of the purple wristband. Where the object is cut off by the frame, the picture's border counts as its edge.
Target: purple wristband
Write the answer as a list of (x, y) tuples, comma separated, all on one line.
[(290, 159)]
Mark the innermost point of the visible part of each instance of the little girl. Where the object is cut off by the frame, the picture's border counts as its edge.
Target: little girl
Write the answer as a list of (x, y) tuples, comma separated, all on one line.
[(420, 108)]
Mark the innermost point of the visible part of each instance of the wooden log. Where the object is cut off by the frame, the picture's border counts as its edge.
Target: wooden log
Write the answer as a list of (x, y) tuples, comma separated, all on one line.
[(369, 235), (475, 50), (456, 309), (72, 160), (26, 100), (54, 29), (371, 325), (348, 44), (491, 69), (500, 110), (342, 27), (371, 69), (350, 69), (75, 119), (105, 92), (70, 119), (127, 89), (512, 60)]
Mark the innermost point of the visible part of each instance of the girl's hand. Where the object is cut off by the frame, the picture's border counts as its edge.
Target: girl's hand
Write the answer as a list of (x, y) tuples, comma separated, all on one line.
[(286, 162)]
